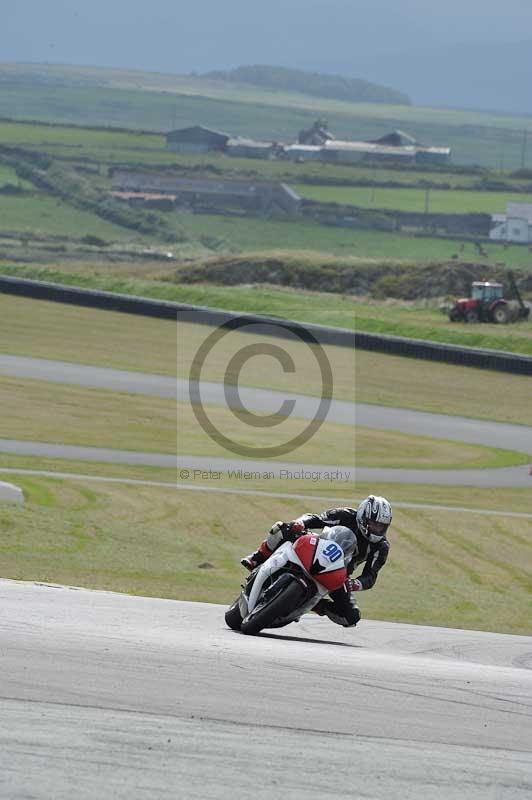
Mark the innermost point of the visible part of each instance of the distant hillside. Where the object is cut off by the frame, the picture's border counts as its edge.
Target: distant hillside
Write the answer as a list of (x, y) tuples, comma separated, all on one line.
[(313, 83)]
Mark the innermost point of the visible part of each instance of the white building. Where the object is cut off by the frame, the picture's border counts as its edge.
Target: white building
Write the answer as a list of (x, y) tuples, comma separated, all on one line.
[(348, 152), (515, 225)]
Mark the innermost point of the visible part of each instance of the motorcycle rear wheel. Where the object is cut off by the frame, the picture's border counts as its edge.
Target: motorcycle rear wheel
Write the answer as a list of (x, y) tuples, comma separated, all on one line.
[(280, 605)]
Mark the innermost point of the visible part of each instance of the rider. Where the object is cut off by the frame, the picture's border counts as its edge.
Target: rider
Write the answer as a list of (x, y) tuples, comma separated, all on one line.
[(369, 522)]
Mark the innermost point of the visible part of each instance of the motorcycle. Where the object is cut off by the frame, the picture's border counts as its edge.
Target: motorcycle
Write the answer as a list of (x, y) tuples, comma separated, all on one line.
[(292, 580)]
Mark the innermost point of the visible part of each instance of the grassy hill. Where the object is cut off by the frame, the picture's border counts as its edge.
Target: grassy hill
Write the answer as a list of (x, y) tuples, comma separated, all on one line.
[(314, 84)]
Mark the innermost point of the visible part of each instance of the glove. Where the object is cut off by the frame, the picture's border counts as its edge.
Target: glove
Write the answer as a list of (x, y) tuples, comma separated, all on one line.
[(278, 527), (289, 530), (297, 527), (352, 585)]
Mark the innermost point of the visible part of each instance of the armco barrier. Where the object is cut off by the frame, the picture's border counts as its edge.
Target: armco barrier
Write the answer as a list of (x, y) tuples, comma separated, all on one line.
[(393, 345), (448, 353)]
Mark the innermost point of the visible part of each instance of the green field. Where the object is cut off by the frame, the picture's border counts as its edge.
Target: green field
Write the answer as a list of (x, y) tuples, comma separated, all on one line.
[(75, 142), (210, 234), (222, 234), (414, 200), (44, 215), (8, 176)]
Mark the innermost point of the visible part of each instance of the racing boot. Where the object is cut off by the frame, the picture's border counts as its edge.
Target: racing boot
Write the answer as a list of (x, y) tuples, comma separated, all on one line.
[(257, 558)]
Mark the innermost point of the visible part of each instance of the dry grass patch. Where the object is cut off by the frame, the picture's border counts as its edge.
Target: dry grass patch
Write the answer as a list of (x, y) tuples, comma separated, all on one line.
[(51, 412), (443, 388), (42, 329)]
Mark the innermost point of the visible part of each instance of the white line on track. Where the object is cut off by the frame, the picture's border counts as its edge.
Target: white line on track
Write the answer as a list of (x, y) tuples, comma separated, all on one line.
[(251, 492)]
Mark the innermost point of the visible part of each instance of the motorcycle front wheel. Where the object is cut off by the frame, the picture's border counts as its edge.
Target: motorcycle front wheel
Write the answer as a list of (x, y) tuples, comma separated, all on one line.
[(233, 617), (280, 605)]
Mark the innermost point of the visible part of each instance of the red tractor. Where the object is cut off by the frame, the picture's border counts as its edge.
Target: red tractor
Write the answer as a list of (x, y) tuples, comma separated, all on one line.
[(487, 304)]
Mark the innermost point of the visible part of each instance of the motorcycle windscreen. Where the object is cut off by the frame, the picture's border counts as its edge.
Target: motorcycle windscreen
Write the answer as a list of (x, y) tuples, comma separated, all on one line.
[(322, 559)]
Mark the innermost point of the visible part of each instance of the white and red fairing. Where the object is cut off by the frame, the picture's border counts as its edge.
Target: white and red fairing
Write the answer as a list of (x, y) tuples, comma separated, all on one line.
[(309, 553)]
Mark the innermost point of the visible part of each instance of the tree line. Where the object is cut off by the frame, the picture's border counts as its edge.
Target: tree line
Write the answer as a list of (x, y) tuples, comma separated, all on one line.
[(317, 84)]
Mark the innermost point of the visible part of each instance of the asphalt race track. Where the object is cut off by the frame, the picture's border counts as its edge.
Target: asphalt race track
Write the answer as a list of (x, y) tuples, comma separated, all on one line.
[(509, 477), (111, 696), (443, 426)]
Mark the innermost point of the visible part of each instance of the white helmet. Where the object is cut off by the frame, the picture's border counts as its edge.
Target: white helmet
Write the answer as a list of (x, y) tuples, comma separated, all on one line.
[(374, 516)]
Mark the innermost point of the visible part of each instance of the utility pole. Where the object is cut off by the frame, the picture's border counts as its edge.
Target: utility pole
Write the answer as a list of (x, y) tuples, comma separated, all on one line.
[(372, 198), (501, 153), (523, 148), (427, 196)]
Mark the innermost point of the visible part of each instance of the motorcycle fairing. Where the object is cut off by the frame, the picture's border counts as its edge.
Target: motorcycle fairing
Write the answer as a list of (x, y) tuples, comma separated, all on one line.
[(276, 562), (323, 560)]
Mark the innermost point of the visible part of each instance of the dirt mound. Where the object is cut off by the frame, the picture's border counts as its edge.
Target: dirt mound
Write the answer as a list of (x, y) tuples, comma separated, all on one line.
[(308, 271)]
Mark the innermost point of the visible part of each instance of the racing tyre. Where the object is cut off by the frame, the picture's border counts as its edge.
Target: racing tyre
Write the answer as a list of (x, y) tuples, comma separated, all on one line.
[(233, 617), (280, 605)]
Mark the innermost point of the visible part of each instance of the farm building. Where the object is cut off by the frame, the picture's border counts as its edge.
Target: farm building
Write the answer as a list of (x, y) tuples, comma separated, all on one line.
[(515, 225), (249, 148), (433, 155), (396, 138), (351, 152), (161, 202), (315, 135), (200, 194), (196, 139), (424, 154), (303, 152)]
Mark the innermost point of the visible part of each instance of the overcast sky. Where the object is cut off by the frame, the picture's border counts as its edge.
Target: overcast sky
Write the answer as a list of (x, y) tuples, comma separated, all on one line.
[(183, 35), (347, 36)]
